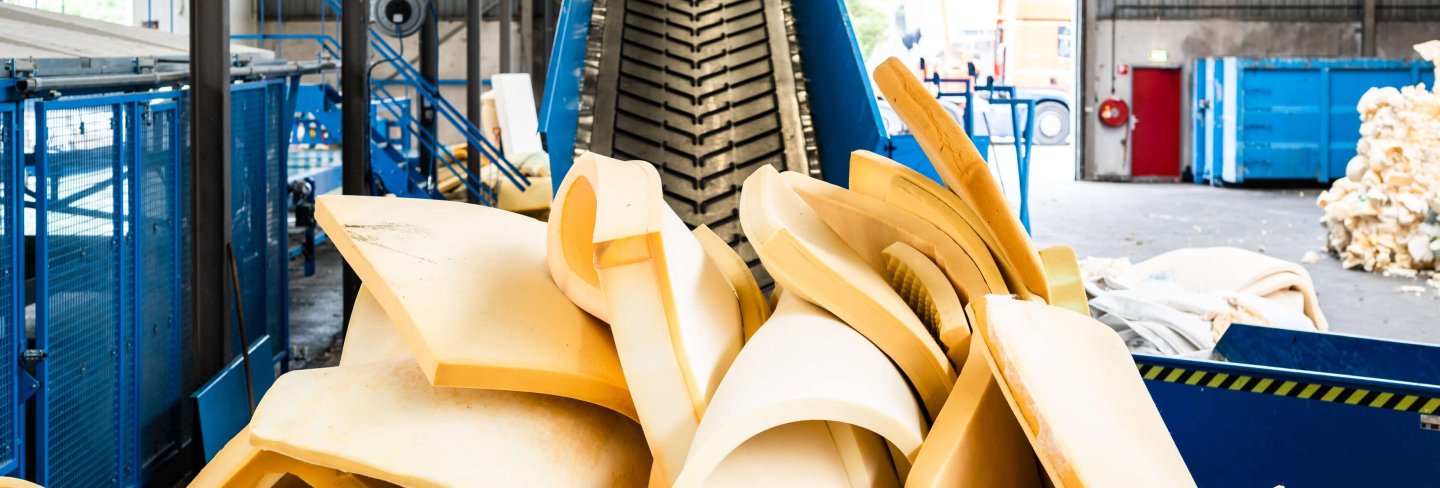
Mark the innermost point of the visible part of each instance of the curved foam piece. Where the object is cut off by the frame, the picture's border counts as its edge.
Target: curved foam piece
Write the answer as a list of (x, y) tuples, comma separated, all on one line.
[(8, 482), (570, 233), (675, 319), (880, 177), (371, 337), (806, 258), (754, 306), (385, 421), (1279, 283), (1235, 270), (868, 225), (1062, 271), (1289, 298), (810, 453), (468, 289), (1072, 383), (925, 289), (961, 166), (977, 441), (242, 465), (805, 364)]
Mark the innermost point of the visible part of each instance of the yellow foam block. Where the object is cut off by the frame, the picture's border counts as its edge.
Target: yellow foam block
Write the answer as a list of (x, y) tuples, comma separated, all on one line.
[(925, 289), (878, 176), (8, 482), (371, 336), (869, 225), (534, 197), (385, 421), (1062, 271), (977, 441), (807, 454), (242, 465), (674, 316), (1081, 401), (754, 306), (961, 167), (468, 288), (806, 258), (804, 365)]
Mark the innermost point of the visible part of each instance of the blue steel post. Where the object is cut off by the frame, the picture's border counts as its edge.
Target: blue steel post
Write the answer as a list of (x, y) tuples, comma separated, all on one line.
[(15, 231), (42, 282), (130, 422)]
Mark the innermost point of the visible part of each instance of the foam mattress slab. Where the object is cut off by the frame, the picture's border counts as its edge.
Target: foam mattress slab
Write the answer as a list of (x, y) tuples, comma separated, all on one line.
[(977, 441), (386, 421), (809, 260), (1073, 385), (754, 306), (961, 167), (371, 336), (804, 365), (870, 225), (674, 315), (242, 465), (468, 288)]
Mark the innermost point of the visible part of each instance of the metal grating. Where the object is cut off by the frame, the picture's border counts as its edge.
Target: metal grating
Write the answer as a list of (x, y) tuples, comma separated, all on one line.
[(248, 163), (161, 378), (277, 253), (80, 428), (10, 272)]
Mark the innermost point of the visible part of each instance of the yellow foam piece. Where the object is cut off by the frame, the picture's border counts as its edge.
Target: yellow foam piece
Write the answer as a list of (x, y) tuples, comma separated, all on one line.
[(675, 319), (961, 167), (880, 177), (805, 364), (468, 288), (385, 421), (1062, 271), (976, 442), (807, 454), (371, 337), (8, 482), (1081, 402), (242, 465), (809, 260), (868, 225), (754, 306), (925, 289)]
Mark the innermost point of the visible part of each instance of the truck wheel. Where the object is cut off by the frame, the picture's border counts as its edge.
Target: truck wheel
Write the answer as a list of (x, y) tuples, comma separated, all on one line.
[(1052, 123)]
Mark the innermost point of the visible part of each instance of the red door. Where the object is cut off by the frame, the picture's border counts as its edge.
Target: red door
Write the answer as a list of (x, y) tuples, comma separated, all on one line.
[(1155, 146)]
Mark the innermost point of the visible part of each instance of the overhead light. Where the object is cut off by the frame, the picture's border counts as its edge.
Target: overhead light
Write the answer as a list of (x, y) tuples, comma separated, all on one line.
[(1158, 56)]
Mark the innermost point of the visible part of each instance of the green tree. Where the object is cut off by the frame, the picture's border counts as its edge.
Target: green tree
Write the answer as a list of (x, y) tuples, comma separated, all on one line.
[(870, 24)]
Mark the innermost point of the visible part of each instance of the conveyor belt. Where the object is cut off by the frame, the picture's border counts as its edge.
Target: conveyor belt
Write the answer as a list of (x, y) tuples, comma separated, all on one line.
[(708, 90)]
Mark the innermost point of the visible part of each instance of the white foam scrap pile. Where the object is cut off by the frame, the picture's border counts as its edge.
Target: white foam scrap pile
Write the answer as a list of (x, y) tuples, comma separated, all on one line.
[(1382, 216), (1181, 302)]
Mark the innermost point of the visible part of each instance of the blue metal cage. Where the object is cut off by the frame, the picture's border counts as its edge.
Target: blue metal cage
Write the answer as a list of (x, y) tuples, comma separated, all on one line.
[(112, 274)]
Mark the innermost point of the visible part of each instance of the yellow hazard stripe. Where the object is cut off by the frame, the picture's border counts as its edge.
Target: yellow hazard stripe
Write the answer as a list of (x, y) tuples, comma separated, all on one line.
[(1307, 391)]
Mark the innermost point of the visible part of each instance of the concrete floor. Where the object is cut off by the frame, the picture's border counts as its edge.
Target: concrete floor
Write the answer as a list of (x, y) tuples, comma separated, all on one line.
[(1141, 220), (1134, 220)]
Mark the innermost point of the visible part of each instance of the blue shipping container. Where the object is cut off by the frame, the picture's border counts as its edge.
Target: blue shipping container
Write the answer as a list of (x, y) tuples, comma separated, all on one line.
[(1284, 119)]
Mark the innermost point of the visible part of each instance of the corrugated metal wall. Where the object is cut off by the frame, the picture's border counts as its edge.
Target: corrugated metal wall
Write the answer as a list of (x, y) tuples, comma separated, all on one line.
[(1268, 10)]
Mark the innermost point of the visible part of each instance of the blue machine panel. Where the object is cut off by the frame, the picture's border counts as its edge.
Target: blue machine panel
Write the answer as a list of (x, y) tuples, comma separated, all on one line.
[(842, 102), (1284, 119), (161, 316), (12, 273), (259, 136)]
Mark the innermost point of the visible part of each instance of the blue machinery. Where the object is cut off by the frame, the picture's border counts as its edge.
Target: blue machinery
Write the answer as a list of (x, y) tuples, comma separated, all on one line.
[(1271, 407)]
